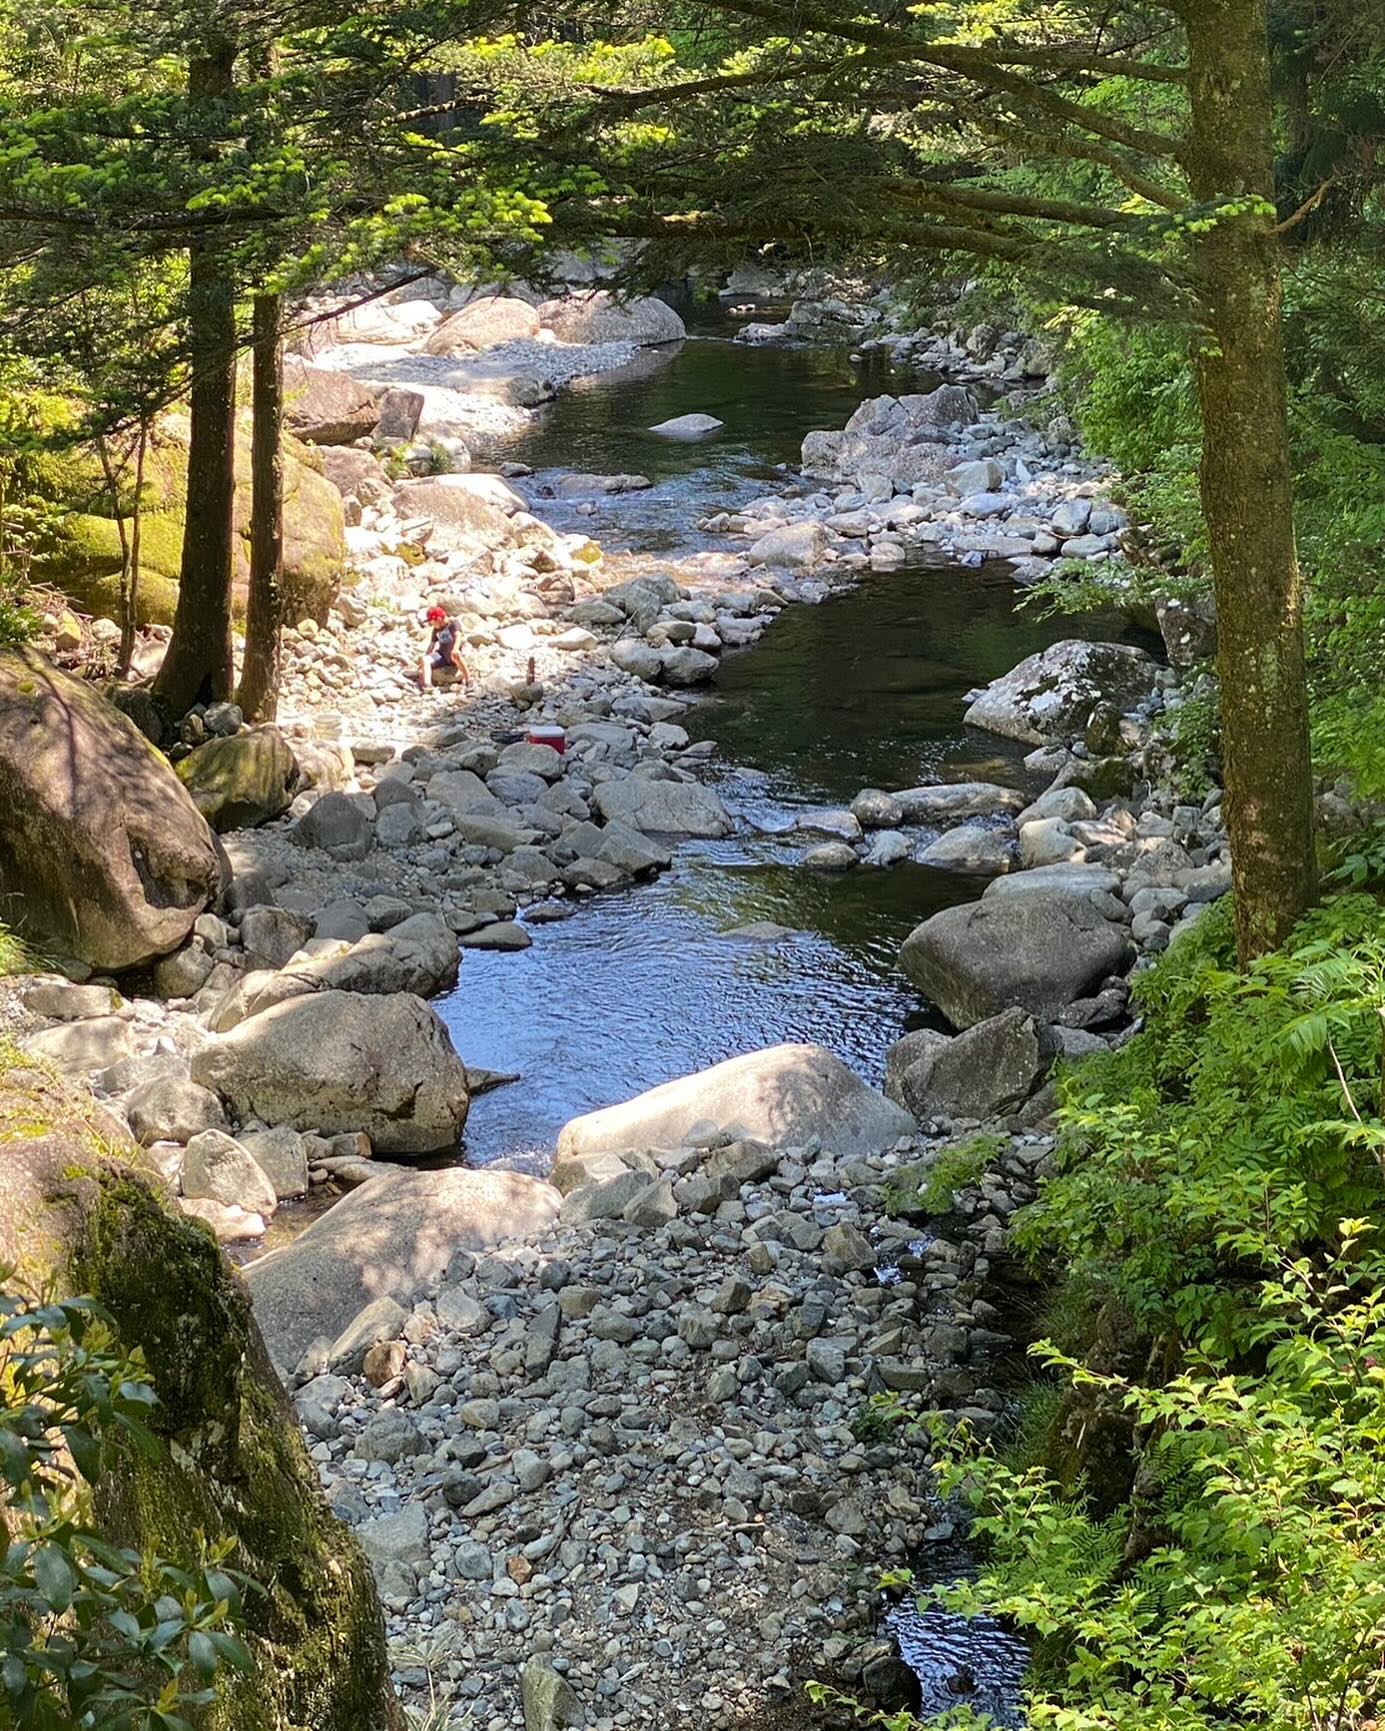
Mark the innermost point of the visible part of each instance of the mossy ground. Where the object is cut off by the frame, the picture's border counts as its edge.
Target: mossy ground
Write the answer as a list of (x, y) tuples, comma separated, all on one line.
[(79, 1212)]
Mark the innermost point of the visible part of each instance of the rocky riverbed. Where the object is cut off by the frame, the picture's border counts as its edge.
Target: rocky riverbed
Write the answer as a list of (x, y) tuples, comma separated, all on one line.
[(607, 1437)]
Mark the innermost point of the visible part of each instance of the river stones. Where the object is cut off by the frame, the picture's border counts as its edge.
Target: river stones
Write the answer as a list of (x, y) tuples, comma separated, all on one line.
[(1051, 695), (985, 1072), (387, 1240), (663, 807), (1038, 952), (781, 1096), (332, 1061)]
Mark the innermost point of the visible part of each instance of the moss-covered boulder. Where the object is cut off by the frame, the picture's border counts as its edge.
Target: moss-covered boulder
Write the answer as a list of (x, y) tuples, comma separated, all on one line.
[(82, 556), (242, 781), (82, 1213)]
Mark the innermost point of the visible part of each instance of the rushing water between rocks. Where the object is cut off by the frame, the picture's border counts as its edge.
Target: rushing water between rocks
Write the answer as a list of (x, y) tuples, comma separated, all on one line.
[(864, 690)]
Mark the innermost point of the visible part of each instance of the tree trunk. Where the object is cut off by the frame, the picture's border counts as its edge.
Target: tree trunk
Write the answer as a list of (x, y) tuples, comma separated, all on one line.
[(198, 665), (110, 472), (128, 627), (259, 678), (1246, 488)]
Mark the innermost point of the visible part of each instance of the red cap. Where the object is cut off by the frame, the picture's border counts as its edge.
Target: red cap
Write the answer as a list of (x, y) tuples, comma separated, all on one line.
[(436, 615)]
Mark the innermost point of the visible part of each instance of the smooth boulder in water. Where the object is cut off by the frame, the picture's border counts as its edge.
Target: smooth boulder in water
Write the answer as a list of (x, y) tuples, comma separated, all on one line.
[(1051, 695), (663, 807), (1036, 952), (781, 1096), (688, 427), (388, 1239), (103, 855), (331, 1061)]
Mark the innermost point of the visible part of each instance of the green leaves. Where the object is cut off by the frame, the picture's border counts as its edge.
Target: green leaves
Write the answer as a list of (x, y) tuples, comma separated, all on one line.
[(92, 1635)]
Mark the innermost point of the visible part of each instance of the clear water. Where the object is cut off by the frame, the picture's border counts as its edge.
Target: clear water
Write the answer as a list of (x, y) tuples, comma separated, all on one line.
[(865, 690), (768, 397)]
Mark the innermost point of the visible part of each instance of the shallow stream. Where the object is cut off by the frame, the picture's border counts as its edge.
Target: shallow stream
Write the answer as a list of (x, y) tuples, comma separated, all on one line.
[(864, 690)]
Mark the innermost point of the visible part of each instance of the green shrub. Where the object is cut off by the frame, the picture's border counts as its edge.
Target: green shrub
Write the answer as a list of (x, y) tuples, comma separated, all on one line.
[(1225, 1137), (1243, 1586), (91, 1635), (956, 1167)]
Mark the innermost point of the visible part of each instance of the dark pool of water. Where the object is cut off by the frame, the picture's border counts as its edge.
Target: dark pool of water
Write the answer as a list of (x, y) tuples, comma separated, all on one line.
[(960, 1662), (769, 397), (864, 690)]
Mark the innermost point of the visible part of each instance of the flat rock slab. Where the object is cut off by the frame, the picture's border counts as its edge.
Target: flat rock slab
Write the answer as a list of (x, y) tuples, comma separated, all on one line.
[(663, 807), (388, 1239), (781, 1096)]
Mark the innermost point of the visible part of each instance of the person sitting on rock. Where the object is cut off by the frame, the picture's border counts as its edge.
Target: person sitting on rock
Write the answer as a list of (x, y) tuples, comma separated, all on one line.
[(442, 655)]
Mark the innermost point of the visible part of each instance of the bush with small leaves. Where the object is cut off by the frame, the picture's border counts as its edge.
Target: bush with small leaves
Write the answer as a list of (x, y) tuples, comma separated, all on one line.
[(92, 1635)]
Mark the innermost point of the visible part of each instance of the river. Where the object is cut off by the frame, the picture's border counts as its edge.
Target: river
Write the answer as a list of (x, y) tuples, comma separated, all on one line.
[(865, 690)]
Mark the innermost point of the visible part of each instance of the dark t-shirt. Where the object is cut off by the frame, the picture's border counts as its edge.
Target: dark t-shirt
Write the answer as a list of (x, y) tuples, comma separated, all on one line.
[(444, 640)]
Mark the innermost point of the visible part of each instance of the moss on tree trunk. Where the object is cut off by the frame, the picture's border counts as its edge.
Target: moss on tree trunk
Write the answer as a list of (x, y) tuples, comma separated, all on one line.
[(1247, 494)]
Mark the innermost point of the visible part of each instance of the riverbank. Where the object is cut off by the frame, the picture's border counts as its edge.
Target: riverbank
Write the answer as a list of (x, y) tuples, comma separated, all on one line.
[(428, 824)]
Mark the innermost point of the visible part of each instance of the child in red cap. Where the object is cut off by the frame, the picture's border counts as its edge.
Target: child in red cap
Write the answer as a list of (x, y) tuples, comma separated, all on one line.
[(442, 649)]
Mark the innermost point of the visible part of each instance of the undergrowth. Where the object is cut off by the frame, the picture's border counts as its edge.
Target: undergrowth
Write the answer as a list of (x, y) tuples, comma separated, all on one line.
[(956, 1167), (1222, 1302), (13, 957)]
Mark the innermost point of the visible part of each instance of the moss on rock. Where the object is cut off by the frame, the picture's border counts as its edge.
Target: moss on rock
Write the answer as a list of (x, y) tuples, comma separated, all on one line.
[(83, 557), (81, 1211)]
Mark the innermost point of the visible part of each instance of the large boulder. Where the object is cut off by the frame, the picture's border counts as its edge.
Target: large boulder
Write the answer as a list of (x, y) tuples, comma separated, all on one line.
[(358, 473), (598, 317), (781, 1096), (324, 407), (388, 1239), (103, 855), (333, 1061), (83, 557), (466, 519), (1037, 952), (82, 1213), (483, 324), (663, 807), (243, 780), (892, 443), (990, 1069), (1051, 695)]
